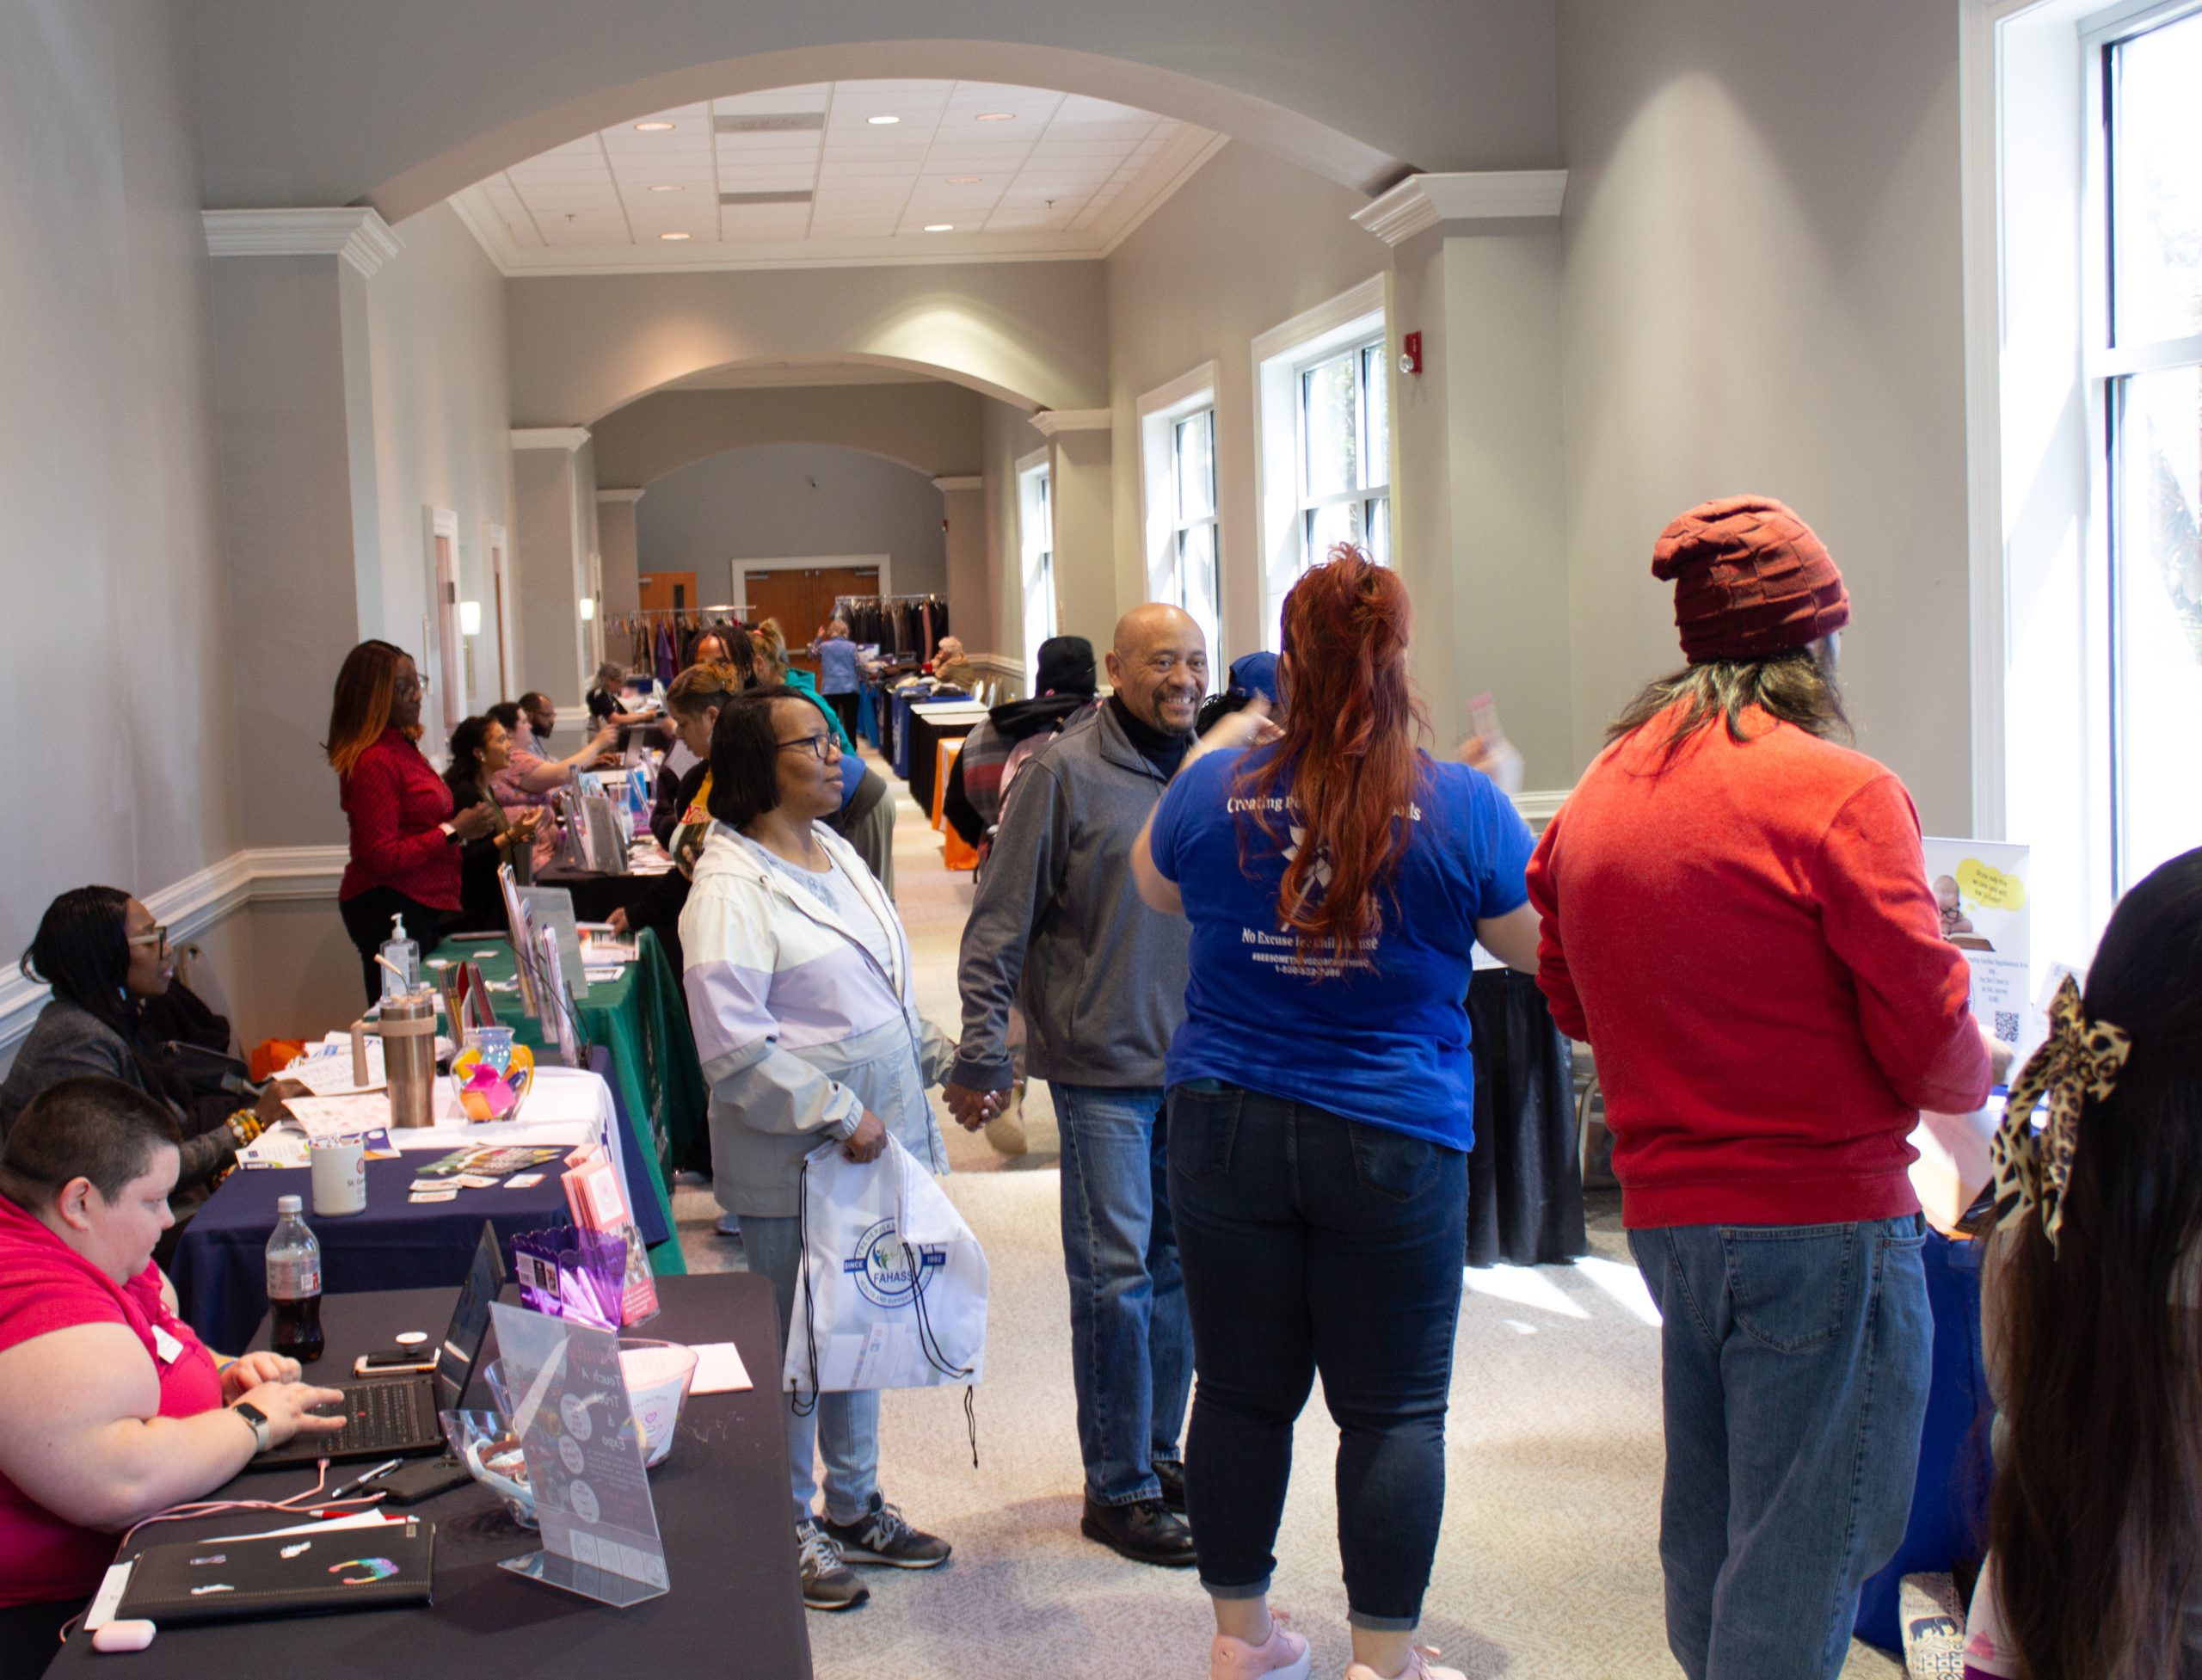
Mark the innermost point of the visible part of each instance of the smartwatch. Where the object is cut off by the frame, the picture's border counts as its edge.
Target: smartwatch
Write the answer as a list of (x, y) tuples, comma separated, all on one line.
[(262, 1433)]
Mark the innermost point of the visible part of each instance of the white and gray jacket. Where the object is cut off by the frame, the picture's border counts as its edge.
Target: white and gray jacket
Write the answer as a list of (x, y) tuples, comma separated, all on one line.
[(800, 1029)]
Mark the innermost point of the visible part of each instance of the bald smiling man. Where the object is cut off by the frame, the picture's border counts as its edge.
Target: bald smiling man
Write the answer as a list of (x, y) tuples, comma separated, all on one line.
[(1058, 928)]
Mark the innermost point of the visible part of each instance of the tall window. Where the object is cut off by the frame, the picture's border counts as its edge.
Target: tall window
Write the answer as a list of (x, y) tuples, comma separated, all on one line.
[(1345, 454), (1177, 489), (1324, 401), (1036, 530), (2149, 168)]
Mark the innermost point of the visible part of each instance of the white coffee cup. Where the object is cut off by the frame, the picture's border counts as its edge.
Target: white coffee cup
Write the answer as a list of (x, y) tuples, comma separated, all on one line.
[(340, 1177)]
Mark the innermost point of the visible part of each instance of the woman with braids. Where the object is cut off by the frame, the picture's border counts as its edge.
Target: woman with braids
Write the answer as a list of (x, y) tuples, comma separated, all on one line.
[(406, 833), (1735, 915), (1337, 879), (2091, 1307), (103, 955)]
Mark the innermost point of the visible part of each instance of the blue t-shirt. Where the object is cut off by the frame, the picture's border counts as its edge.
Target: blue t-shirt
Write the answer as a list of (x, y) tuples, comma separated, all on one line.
[(837, 665), (1385, 1040)]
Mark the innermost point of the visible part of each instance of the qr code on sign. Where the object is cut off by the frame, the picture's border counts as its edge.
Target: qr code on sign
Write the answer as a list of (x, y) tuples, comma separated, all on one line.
[(2007, 1026)]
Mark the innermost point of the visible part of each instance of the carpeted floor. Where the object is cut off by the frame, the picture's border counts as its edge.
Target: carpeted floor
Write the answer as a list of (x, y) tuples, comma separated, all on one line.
[(1548, 1569)]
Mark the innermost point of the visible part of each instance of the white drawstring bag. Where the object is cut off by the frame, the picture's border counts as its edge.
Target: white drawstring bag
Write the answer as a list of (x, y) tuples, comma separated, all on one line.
[(893, 1288)]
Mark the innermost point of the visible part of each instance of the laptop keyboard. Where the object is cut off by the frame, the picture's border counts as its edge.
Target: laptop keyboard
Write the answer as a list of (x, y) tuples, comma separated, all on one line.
[(381, 1414)]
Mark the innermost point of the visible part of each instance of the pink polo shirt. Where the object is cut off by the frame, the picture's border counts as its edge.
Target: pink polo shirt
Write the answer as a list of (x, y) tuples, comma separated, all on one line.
[(45, 1286)]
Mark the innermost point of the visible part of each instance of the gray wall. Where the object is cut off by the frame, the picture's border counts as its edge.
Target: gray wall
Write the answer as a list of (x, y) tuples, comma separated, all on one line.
[(779, 500), (1246, 243), (928, 424), (442, 402), (1762, 293), (116, 644)]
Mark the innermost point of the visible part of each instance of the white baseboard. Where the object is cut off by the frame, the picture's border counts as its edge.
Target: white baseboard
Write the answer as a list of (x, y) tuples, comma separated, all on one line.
[(191, 905)]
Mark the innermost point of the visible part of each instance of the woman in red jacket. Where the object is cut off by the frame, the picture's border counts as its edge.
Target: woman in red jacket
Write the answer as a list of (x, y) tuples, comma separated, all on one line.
[(405, 837), (1735, 914)]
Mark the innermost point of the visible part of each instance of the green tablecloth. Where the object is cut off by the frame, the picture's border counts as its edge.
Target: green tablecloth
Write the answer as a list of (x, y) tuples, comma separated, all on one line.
[(642, 1019)]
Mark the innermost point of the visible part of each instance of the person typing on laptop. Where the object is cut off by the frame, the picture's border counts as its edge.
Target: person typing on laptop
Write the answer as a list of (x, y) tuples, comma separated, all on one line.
[(110, 1408)]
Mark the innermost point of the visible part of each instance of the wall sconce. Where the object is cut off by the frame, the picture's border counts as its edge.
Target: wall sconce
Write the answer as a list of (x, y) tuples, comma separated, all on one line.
[(588, 608), (469, 618)]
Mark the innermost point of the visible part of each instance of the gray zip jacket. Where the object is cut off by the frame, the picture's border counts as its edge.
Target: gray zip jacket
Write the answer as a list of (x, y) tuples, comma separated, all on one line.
[(1058, 928)]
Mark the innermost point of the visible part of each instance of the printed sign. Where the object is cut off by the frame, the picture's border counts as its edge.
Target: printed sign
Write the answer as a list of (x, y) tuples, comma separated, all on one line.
[(1980, 887)]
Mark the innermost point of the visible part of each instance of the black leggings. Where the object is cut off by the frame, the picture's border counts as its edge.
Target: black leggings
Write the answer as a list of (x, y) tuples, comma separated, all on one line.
[(367, 919), (845, 708)]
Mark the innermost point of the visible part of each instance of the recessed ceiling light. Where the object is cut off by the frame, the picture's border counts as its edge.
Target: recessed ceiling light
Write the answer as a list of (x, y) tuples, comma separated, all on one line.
[(652, 127), (940, 227), (995, 116), (668, 186), (673, 235), (965, 180), (882, 122)]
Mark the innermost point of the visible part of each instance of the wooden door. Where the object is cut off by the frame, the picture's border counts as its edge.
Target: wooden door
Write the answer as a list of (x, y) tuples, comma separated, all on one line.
[(801, 598), (668, 592)]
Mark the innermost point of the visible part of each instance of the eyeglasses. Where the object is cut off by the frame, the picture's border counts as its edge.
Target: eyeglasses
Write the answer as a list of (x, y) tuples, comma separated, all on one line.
[(410, 686), (157, 937), (824, 747)]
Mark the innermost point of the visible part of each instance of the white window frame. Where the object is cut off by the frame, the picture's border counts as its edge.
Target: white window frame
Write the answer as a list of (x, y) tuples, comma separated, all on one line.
[(2040, 379), (1035, 546), (1160, 412), (1350, 321)]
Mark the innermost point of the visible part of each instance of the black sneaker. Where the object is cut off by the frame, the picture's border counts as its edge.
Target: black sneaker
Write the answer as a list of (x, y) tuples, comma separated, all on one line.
[(883, 1536), (1171, 1472), (828, 1583), (1146, 1531)]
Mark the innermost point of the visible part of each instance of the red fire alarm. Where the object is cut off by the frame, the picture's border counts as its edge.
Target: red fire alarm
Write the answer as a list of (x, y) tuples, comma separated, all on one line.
[(1410, 353)]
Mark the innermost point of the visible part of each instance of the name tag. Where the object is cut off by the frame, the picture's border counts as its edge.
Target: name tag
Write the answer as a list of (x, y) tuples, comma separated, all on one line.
[(165, 1346)]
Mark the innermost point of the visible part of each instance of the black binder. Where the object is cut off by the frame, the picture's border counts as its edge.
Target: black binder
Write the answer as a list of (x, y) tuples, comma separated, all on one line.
[(307, 1574)]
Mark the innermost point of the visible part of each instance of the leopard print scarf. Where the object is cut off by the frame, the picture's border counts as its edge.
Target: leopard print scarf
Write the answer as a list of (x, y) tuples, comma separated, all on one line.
[(2080, 1059)]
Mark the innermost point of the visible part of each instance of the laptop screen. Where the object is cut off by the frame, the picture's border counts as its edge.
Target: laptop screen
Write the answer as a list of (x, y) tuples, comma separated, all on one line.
[(470, 1319)]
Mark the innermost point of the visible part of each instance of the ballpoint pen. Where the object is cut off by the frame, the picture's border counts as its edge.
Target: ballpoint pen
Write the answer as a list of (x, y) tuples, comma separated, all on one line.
[(343, 1489)]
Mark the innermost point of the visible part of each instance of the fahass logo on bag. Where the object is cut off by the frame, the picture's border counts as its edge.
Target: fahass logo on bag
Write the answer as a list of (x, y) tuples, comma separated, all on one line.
[(881, 1266)]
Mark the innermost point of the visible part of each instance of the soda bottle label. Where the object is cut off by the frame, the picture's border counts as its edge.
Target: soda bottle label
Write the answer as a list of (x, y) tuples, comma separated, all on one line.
[(293, 1280)]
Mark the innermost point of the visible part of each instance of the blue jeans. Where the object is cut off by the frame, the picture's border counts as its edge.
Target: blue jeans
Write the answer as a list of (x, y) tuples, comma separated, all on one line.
[(842, 1427), (1313, 1242), (1794, 1366), (1131, 1348)]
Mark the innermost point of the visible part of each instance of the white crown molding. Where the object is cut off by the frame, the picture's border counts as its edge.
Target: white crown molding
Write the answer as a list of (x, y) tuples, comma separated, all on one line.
[(619, 495), (567, 438), (1048, 422), (1423, 201), (1175, 165), (1539, 806), (359, 236), (1001, 665), (191, 905), (966, 482)]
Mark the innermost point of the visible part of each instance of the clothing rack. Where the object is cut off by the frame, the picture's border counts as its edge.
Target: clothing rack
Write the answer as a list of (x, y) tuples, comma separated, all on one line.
[(711, 613), (902, 626)]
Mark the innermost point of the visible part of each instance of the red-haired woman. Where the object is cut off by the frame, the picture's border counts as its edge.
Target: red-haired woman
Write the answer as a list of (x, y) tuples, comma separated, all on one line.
[(405, 838), (1337, 879)]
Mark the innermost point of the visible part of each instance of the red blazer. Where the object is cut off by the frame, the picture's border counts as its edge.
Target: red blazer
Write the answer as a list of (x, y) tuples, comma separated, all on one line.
[(396, 805)]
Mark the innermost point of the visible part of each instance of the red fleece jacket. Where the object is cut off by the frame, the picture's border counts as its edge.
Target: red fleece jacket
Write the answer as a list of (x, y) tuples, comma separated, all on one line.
[(1744, 934)]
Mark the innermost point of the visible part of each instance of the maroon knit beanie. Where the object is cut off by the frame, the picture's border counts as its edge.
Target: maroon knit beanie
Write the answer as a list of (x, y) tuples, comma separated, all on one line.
[(1751, 579)]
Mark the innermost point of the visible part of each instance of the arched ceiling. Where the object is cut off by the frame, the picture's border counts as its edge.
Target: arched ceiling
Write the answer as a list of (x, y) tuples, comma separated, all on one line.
[(403, 103)]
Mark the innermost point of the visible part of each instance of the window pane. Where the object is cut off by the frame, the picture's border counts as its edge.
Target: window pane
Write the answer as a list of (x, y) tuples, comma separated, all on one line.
[(1327, 394), (1378, 463), (2157, 192), (1197, 580), (1379, 531), (1336, 522), (2158, 610), (1195, 465)]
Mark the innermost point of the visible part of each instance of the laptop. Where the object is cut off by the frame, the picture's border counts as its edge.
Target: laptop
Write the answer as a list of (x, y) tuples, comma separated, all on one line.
[(395, 1416)]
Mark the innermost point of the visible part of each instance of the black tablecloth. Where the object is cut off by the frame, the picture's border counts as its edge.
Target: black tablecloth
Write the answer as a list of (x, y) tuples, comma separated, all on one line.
[(1525, 1181), (596, 896), (925, 736), (722, 1512), (220, 1268)]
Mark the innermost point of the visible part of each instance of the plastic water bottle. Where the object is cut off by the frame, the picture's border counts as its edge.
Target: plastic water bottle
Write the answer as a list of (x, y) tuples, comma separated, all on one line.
[(404, 955), (294, 1283)]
